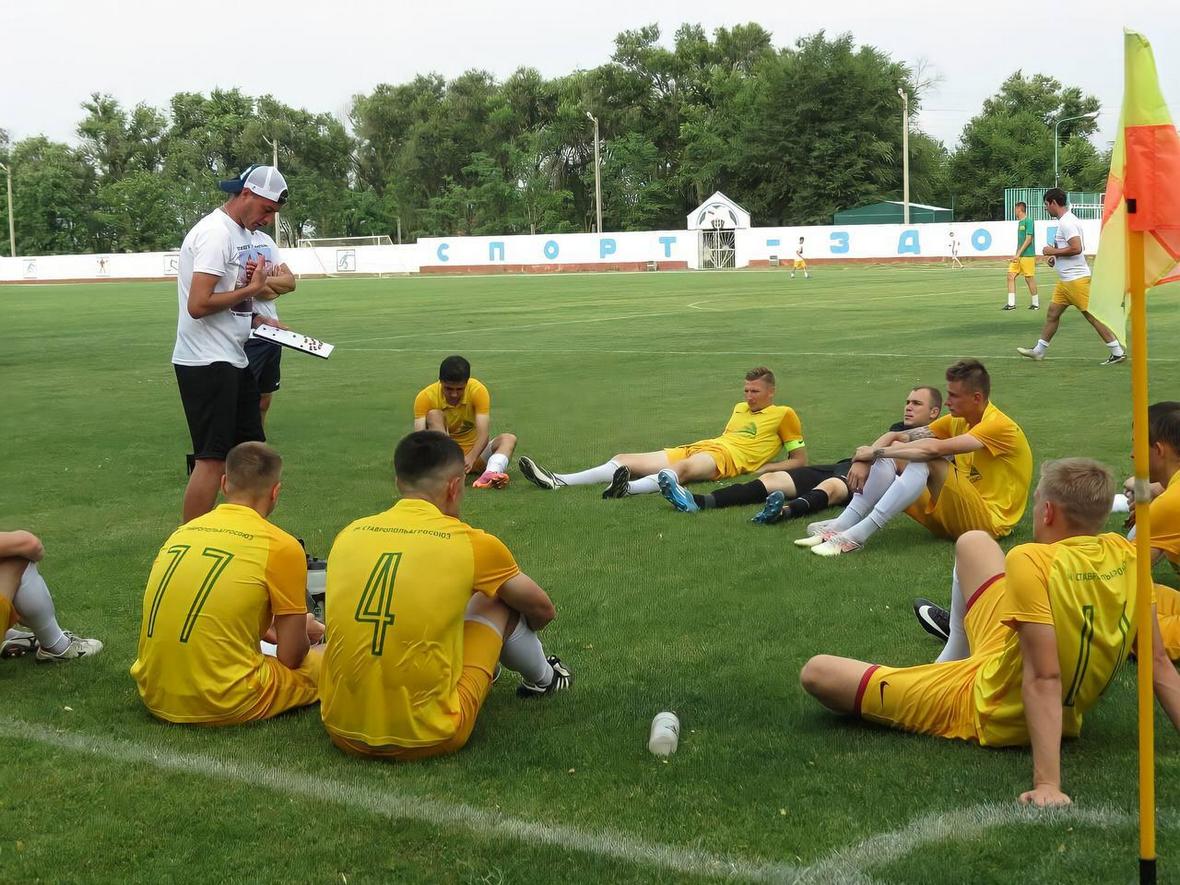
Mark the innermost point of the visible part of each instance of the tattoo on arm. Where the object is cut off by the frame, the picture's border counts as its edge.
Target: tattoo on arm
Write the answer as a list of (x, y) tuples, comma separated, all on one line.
[(918, 433)]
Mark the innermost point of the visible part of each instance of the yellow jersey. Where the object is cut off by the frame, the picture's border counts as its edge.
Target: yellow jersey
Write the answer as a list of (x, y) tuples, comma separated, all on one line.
[(398, 586), (213, 590), (1165, 520), (460, 418), (1002, 470), (1084, 587), (754, 438)]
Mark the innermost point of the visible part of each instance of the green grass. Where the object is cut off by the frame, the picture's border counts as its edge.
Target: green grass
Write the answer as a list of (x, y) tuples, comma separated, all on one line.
[(706, 615)]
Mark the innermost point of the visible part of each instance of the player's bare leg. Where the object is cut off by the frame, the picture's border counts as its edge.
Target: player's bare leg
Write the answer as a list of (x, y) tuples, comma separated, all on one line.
[(638, 474), (263, 405), (1011, 305), (435, 420), (1117, 354), (200, 495), (1052, 321), (978, 560), (22, 585), (833, 681), (1031, 282), (498, 452), (779, 481)]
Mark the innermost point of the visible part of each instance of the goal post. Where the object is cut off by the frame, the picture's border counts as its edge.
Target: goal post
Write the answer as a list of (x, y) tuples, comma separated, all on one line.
[(376, 240), (338, 256)]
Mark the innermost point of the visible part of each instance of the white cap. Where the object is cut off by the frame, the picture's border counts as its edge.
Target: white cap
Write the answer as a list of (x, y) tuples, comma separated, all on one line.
[(266, 181)]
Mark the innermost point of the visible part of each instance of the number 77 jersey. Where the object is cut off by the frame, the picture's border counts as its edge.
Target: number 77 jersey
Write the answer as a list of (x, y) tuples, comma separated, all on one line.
[(398, 587), (213, 590)]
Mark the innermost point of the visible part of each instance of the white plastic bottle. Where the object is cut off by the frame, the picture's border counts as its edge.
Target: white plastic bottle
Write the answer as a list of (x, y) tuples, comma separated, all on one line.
[(665, 734)]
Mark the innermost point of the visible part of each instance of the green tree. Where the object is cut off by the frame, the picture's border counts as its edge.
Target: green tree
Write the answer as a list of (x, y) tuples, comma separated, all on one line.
[(53, 198)]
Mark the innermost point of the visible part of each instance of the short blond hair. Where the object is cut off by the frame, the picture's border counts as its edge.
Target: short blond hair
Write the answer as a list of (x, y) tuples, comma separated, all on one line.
[(1082, 487), (253, 466)]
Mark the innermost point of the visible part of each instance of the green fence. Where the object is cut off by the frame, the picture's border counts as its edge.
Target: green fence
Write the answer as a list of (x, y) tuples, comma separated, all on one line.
[(1084, 205)]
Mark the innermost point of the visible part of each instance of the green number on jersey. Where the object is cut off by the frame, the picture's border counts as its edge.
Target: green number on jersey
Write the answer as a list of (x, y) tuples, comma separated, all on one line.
[(376, 601), (1083, 663), (221, 558), (178, 553)]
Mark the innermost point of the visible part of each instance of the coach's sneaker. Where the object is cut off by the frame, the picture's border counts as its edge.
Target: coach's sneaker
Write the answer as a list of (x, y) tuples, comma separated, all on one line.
[(17, 644), (562, 679), (618, 484), (934, 619), (772, 510), (491, 480), (538, 475), (674, 493), (836, 545), (1113, 360), (79, 647), (1031, 352)]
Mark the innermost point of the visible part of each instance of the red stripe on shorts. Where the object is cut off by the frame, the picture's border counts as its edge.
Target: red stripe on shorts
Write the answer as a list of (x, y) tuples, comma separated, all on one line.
[(982, 587), (864, 683)]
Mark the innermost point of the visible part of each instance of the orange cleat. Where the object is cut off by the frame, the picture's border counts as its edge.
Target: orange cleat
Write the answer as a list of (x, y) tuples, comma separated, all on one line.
[(489, 480)]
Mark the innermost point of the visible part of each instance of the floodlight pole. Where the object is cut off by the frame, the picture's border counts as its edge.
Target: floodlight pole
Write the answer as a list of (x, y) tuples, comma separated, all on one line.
[(905, 154), (1088, 116), (275, 145), (597, 175), (11, 221)]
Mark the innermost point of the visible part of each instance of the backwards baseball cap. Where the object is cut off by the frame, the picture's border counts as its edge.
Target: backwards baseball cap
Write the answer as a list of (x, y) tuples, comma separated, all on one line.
[(266, 181)]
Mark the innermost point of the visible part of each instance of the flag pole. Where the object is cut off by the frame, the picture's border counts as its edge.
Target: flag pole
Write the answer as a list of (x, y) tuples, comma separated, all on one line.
[(1143, 620)]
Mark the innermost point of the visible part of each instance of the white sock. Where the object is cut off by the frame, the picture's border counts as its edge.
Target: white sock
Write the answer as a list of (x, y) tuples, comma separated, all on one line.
[(35, 607), (1036, 300), (593, 476), (1116, 349), (880, 478), (522, 653), (1042, 345), (1120, 504), (1012, 299), (497, 464), (957, 647), (904, 491), (644, 485)]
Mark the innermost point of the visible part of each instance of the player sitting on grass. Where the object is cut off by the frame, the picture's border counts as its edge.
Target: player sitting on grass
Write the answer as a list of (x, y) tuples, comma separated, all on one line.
[(422, 607), (461, 407), (756, 432), (1035, 637), (786, 494), (24, 598), (219, 584), (968, 470)]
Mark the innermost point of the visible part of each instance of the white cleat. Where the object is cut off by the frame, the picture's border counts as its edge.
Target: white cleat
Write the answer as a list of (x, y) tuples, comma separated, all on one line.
[(1031, 352), (836, 545), (79, 647)]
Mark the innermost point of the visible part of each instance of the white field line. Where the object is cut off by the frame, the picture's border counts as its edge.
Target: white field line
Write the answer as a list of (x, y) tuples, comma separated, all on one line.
[(847, 865)]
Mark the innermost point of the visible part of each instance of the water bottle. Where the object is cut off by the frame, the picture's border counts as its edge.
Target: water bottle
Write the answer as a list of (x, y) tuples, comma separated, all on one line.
[(665, 734)]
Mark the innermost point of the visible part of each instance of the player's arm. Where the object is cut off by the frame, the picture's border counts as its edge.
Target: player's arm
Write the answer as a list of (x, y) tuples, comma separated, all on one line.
[(26, 545), (1041, 692), (797, 457), (483, 424), (280, 281), (203, 301), (291, 639), (1073, 246), (1164, 678), (524, 595), (1020, 249), (928, 449), (420, 423)]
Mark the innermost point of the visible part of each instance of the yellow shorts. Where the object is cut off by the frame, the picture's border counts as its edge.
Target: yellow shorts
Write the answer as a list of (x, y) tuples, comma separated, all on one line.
[(1075, 292), (1024, 266), (800, 264), (286, 689), (1167, 609), (937, 699), (8, 615), (726, 467), (959, 509), (481, 652)]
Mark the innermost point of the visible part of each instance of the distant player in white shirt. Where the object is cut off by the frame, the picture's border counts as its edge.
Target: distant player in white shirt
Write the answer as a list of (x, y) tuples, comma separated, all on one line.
[(265, 356), (1067, 255), (955, 262), (800, 264), (219, 274)]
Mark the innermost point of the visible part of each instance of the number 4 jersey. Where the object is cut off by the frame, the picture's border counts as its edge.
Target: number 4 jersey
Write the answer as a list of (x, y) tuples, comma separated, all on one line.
[(398, 586), (214, 587)]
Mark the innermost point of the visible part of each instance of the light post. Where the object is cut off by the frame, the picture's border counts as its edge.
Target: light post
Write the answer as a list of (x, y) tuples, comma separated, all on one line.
[(597, 174), (1089, 116), (905, 154), (275, 145), (11, 221)]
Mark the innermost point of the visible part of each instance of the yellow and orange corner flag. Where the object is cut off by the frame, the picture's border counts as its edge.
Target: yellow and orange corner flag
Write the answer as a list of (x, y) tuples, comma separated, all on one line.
[(1140, 247)]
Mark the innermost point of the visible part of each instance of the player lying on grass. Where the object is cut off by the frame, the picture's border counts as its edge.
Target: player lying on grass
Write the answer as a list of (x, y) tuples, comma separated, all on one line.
[(461, 407), (422, 607), (1035, 637), (786, 494), (968, 470), (756, 432), (219, 584), (25, 599)]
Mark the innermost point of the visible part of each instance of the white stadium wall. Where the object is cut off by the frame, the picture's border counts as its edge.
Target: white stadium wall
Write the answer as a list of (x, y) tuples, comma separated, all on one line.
[(661, 250)]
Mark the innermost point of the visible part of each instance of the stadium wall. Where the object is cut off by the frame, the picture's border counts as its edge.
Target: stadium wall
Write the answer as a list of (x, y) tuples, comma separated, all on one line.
[(664, 250)]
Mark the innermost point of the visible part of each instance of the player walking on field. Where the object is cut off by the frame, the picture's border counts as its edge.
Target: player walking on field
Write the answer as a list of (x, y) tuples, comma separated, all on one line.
[(1067, 255), (800, 264), (1024, 261)]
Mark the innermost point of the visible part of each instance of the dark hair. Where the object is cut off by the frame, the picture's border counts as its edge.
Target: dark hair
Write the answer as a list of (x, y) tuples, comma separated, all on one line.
[(1163, 424), (454, 370), (1020, 204), (935, 394), (973, 374), (761, 373), (253, 466), (425, 454), (1056, 195)]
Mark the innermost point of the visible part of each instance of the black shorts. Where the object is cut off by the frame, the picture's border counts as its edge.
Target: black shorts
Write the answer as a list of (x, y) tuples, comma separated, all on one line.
[(807, 478), (264, 357), (221, 407)]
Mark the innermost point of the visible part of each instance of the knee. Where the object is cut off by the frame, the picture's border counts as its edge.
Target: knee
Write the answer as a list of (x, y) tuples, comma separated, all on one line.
[(973, 542), (508, 439), (811, 677)]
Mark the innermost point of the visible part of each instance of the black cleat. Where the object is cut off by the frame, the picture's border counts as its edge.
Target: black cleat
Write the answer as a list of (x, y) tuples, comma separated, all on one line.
[(537, 474), (562, 679), (1008, 307), (1034, 307), (618, 484), (934, 619), (1113, 360)]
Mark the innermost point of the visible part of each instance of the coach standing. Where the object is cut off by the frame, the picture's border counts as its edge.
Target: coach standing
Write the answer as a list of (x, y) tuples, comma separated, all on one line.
[(218, 277)]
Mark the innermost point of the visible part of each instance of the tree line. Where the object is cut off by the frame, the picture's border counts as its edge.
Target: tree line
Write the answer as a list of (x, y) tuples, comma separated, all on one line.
[(792, 133)]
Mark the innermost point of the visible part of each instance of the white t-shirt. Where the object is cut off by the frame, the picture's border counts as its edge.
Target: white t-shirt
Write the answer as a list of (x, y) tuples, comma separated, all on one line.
[(265, 247), (216, 245), (1070, 267)]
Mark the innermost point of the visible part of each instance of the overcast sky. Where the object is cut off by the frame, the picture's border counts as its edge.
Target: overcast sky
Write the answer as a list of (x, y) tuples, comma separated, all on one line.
[(317, 53)]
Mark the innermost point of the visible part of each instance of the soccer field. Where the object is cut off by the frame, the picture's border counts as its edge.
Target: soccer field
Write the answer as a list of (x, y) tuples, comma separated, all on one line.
[(703, 614)]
